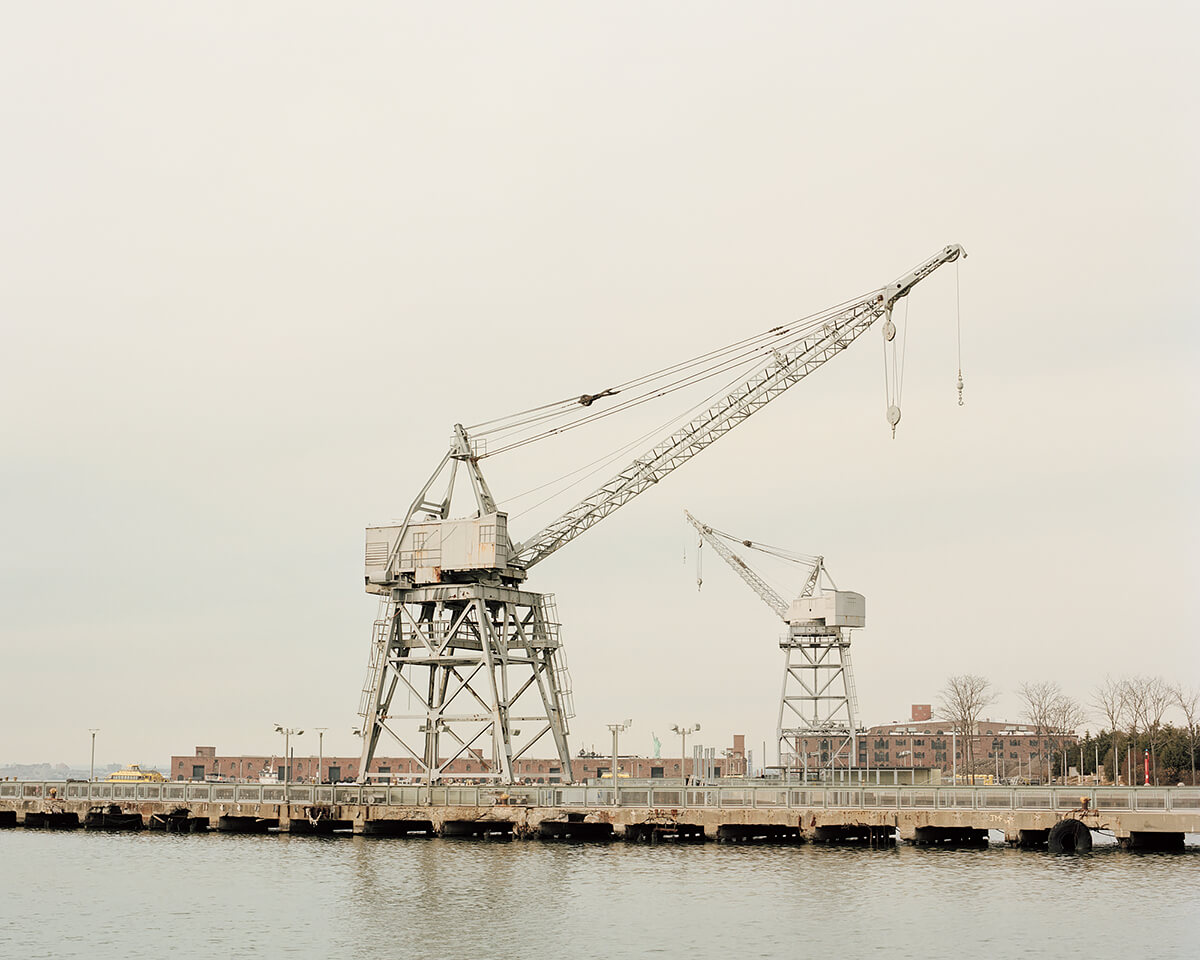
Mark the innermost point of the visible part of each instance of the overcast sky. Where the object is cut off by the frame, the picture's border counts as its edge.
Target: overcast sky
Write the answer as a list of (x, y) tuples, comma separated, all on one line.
[(258, 259)]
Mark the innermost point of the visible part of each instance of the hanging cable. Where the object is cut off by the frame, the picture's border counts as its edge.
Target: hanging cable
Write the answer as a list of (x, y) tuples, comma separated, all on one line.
[(889, 372), (893, 366), (598, 465), (674, 377), (744, 361), (958, 324), (572, 404)]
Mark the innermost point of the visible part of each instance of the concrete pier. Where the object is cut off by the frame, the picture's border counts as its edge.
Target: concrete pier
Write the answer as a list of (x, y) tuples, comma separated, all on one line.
[(1140, 818)]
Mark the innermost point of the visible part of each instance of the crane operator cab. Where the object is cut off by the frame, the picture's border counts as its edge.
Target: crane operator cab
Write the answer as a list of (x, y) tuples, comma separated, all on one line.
[(436, 551), (830, 609)]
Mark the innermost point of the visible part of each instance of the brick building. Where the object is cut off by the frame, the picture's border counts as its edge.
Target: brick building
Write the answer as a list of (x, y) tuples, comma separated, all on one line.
[(1001, 748), (205, 764)]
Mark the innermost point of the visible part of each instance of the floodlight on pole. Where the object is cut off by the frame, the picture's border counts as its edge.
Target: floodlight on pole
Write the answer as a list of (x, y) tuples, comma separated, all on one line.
[(288, 733), (683, 732), (616, 729), (320, 752)]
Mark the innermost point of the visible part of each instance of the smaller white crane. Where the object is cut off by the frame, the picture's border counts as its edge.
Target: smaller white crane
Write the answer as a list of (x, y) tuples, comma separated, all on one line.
[(818, 698)]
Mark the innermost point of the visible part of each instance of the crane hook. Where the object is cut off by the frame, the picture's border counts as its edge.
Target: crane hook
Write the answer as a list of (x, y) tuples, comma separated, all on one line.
[(960, 388)]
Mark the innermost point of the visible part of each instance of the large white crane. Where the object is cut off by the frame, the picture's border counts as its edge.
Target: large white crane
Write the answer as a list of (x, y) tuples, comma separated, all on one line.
[(480, 656), (818, 706)]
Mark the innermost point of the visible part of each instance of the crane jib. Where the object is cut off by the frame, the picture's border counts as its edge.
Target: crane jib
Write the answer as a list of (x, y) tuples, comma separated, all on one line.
[(788, 362), (790, 368)]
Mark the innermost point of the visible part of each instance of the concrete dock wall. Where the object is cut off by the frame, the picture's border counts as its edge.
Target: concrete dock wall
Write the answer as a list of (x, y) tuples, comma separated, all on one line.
[(906, 810)]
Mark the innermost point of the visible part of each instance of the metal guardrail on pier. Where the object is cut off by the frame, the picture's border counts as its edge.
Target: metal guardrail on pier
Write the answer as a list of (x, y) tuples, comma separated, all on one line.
[(646, 795)]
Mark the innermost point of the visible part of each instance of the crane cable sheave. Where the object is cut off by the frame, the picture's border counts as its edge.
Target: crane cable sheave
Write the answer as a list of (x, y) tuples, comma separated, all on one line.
[(901, 288)]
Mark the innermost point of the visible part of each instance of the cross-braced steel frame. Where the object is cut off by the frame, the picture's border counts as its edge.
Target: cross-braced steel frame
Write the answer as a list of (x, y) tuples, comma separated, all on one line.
[(817, 699), (482, 670)]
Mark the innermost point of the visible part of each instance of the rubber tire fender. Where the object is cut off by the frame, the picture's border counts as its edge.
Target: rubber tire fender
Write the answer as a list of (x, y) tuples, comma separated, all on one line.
[(1069, 836)]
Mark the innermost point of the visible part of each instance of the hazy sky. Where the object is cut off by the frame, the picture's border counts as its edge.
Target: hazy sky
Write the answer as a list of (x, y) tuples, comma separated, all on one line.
[(258, 259)]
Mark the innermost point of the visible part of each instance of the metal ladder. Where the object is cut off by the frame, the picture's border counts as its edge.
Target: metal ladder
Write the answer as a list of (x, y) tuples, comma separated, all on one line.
[(851, 693), (379, 637), (558, 657)]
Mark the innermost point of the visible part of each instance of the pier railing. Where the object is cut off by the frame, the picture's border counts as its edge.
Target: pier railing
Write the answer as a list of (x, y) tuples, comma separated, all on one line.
[(646, 794)]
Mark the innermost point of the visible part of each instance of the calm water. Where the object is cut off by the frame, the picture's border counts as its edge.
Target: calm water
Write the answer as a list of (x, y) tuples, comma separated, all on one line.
[(148, 895)]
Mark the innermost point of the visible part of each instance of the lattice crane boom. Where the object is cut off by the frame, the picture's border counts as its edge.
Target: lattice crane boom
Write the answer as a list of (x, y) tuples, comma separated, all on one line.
[(792, 363), (756, 583)]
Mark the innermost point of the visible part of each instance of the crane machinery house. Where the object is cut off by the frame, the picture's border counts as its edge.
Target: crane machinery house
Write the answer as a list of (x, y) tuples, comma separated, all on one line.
[(433, 551), (833, 608)]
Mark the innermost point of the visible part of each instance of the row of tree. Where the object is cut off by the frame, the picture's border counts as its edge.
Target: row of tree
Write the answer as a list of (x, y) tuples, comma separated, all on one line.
[(1134, 709)]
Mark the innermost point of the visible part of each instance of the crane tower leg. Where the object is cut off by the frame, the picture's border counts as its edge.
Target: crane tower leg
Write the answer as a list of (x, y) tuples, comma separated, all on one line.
[(481, 667), (817, 712)]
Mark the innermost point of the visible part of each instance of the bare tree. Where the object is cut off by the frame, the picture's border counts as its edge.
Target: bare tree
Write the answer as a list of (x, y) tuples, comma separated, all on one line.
[(1066, 717), (1135, 715), (1189, 703), (1149, 700), (1110, 700), (962, 701), (1159, 697), (1040, 699)]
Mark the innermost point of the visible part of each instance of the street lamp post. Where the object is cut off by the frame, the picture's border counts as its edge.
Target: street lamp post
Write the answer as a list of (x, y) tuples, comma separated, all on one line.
[(93, 731), (616, 729), (288, 733), (683, 732), (320, 753)]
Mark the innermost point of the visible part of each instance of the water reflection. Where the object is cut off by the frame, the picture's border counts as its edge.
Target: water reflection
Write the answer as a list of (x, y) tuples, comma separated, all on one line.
[(144, 895)]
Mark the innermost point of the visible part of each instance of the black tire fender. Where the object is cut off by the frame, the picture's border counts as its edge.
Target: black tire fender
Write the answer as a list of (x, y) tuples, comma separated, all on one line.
[(1069, 836)]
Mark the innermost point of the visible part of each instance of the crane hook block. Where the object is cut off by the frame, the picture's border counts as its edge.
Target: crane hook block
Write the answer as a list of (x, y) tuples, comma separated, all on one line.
[(893, 417)]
